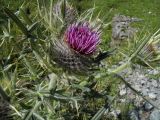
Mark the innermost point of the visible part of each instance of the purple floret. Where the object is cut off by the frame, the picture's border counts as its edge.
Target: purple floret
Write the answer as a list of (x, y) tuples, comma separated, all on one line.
[(82, 38)]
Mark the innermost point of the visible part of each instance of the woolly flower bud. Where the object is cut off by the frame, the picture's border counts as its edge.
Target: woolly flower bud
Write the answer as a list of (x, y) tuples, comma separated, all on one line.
[(149, 50), (75, 50), (69, 12)]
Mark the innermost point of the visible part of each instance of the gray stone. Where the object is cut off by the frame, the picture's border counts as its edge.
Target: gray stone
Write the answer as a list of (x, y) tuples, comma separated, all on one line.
[(141, 77), (155, 115), (140, 81), (152, 95), (133, 115), (137, 87), (148, 106), (115, 113), (121, 28), (155, 72), (143, 82), (122, 100), (158, 103), (122, 92), (144, 92), (150, 72), (154, 83)]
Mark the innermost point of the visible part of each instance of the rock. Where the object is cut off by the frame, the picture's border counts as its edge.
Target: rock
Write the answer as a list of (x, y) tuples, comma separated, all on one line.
[(154, 83), (122, 100), (115, 113), (140, 81), (155, 72), (158, 103), (148, 106), (149, 71), (155, 115), (134, 115), (152, 95), (145, 92), (137, 87), (143, 82), (122, 92), (141, 77), (118, 112), (144, 115)]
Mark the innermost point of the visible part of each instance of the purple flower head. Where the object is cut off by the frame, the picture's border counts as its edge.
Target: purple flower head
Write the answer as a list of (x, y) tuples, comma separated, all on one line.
[(82, 38)]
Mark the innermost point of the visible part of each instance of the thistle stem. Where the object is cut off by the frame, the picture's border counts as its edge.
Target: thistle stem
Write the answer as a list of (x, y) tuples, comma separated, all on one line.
[(120, 68)]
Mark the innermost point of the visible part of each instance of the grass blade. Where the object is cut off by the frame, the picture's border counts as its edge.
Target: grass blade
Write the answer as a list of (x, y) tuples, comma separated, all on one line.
[(17, 21), (27, 117), (4, 95), (99, 114)]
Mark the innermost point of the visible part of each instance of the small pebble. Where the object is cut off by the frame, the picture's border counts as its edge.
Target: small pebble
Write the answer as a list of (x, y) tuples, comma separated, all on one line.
[(115, 113), (155, 72), (143, 82), (133, 115), (148, 106), (137, 87), (145, 92), (154, 83), (155, 115), (122, 92), (152, 95)]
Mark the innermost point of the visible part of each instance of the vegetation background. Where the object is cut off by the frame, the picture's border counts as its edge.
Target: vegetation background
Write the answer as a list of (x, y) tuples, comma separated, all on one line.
[(39, 91)]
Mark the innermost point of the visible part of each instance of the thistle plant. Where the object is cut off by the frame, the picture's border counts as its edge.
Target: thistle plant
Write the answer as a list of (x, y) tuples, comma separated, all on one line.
[(76, 49), (37, 87)]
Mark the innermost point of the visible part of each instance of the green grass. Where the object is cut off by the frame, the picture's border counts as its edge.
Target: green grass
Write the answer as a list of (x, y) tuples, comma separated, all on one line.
[(145, 9), (25, 64)]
